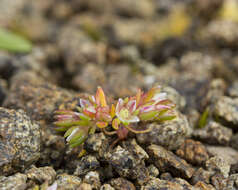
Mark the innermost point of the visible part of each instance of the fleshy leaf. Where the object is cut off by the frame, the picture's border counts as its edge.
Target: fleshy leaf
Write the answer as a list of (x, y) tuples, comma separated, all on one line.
[(72, 134), (148, 115), (115, 123), (101, 124), (113, 110), (69, 131), (100, 97), (166, 118)]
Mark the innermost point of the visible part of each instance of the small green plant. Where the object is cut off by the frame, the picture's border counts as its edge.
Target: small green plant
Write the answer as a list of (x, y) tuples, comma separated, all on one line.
[(95, 112), (13, 42)]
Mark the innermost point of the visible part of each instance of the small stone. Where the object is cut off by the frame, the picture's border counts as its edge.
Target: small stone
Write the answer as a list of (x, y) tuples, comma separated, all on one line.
[(77, 49), (193, 151), (19, 143), (221, 32), (227, 153), (203, 186), (106, 187), (93, 179), (86, 164), (216, 89), (14, 182), (169, 134), (122, 184), (127, 85), (202, 176), (234, 141), (153, 171), (37, 97), (233, 90), (161, 184), (219, 165), (183, 183), (133, 8), (97, 143), (219, 181), (166, 161), (232, 182), (138, 152), (89, 77), (226, 108), (85, 186), (67, 182), (214, 133), (127, 164), (41, 175), (166, 176)]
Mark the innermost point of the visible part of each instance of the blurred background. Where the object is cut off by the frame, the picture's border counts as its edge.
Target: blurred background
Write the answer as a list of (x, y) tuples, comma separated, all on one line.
[(122, 45)]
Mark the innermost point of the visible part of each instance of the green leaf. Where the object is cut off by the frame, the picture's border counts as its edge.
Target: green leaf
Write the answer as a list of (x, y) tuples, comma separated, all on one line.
[(13, 42), (148, 115), (203, 119), (69, 131), (166, 118), (78, 142)]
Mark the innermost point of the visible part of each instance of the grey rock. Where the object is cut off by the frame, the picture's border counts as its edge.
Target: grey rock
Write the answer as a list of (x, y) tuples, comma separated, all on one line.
[(153, 171), (85, 186), (128, 165), (89, 77), (20, 141), (77, 49), (219, 181), (226, 108), (127, 85), (36, 96), (106, 187), (97, 143), (121, 184), (213, 133), (202, 176), (14, 182), (203, 186), (93, 179), (166, 161), (137, 151), (232, 182), (41, 175), (162, 184), (170, 134), (222, 31), (233, 90), (134, 8), (226, 153), (166, 176), (68, 182), (219, 165), (86, 164), (234, 141)]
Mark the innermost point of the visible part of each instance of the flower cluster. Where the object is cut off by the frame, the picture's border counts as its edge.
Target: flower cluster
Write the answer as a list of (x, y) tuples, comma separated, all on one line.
[(95, 112)]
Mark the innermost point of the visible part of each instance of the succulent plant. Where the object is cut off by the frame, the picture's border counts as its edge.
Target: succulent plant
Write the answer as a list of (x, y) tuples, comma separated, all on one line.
[(95, 112)]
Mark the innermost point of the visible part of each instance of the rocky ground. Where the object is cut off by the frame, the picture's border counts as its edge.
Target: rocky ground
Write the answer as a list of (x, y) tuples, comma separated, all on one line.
[(188, 46)]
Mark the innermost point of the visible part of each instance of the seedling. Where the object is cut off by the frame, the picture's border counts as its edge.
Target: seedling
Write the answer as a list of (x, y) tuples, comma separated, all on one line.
[(95, 112)]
